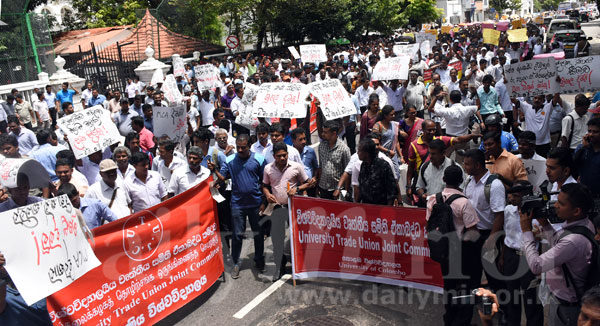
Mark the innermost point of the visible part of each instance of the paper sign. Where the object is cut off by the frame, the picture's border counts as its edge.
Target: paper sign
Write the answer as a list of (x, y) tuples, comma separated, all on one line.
[(579, 75), (294, 52), (36, 173), (178, 67), (408, 49), (426, 27), (422, 37), (89, 131), (536, 172), (172, 93), (281, 100), (433, 32), (207, 76), (491, 36), (244, 116), (502, 26), (517, 35), (45, 247), (391, 68), (516, 24), (313, 53), (425, 48), (531, 78), (335, 101), (170, 121), (446, 29), (157, 77)]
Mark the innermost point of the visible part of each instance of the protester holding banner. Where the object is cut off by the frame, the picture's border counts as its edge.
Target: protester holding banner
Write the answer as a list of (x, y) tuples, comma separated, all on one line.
[(144, 187)]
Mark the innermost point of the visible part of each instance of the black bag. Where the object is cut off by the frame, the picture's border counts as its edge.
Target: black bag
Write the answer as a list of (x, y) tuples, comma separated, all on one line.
[(440, 227), (593, 277)]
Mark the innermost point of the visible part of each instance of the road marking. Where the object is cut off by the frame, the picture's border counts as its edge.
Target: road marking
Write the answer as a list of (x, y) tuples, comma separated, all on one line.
[(259, 298)]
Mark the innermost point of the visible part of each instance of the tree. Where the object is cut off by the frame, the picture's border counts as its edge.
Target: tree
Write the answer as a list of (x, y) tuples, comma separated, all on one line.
[(546, 5), (194, 18), (417, 12)]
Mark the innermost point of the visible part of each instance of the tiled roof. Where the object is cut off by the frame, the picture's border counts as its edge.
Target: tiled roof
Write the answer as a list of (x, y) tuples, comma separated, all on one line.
[(69, 42)]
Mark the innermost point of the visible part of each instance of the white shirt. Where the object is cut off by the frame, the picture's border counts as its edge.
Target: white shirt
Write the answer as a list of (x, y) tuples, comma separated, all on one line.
[(101, 191), (434, 182), (512, 227), (41, 107), (131, 90), (90, 170), (457, 118), (503, 96), (121, 177), (236, 105), (140, 86), (383, 100), (444, 74), (394, 97), (570, 179), (145, 195), (193, 114), (158, 164), (86, 95), (485, 211), (206, 110), (453, 86), (293, 155), (183, 179), (363, 94), (579, 126), (538, 122), (259, 148)]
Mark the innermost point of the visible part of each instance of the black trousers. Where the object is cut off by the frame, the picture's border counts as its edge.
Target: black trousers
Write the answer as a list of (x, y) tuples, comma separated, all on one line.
[(486, 266), (325, 194), (225, 225), (520, 290), (53, 117), (350, 136)]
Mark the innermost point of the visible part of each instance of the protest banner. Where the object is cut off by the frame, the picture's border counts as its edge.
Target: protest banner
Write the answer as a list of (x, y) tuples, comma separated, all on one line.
[(335, 101), (313, 53), (153, 263), (172, 93), (531, 78), (425, 48), (382, 244), (244, 115), (579, 75), (487, 25), (45, 247), (10, 168), (517, 35), (406, 49), (158, 77), (280, 100), (491, 36), (432, 32), (456, 65), (178, 67), (294, 52), (536, 173), (89, 131), (446, 29), (207, 76), (391, 68), (425, 27), (421, 37), (502, 26), (170, 121), (516, 24)]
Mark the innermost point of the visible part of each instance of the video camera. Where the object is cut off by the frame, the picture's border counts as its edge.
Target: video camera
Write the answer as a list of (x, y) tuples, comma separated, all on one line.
[(483, 303), (541, 205)]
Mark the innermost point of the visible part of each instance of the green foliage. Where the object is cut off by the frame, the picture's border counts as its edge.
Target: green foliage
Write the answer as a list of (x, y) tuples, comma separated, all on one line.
[(501, 5), (545, 5), (418, 12), (195, 18)]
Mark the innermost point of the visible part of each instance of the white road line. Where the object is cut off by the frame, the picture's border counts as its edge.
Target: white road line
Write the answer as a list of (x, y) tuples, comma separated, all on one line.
[(259, 298)]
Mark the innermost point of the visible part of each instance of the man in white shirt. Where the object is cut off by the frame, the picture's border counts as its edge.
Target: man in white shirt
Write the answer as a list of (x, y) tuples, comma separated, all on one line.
[(42, 112), (574, 125), (206, 108), (362, 94), (277, 135), (110, 191), (187, 176), (166, 162), (474, 75), (144, 187), (415, 94), (504, 101), (263, 140), (534, 164), (131, 89), (537, 119), (86, 95), (443, 70), (395, 94), (559, 168), (90, 167), (453, 84)]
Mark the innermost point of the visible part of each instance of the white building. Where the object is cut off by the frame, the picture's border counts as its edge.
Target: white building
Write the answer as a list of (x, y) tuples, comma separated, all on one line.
[(453, 10), (57, 8)]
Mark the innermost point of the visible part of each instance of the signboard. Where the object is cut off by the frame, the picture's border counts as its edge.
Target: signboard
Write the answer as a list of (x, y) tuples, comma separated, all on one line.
[(281, 100), (502, 26), (516, 24), (294, 52), (371, 243), (579, 75), (487, 26), (232, 42), (207, 76), (335, 101), (244, 116), (491, 36), (391, 68), (408, 49), (427, 73), (517, 35), (45, 247), (170, 121), (425, 48), (313, 53), (532, 78), (153, 263), (178, 67), (172, 93), (89, 131), (536, 173)]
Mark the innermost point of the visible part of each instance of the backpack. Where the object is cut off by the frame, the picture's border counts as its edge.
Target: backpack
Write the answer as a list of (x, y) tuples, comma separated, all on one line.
[(440, 227), (487, 187), (593, 277)]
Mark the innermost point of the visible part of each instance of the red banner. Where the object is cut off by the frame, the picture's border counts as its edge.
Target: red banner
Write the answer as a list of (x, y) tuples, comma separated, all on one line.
[(456, 64), (153, 263), (372, 243)]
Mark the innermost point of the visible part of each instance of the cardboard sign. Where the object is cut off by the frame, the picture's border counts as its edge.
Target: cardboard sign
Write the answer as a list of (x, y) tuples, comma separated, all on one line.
[(516, 24), (446, 29), (89, 131), (536, 173), (45, 247), (158, 77), (313, 53), (207, 76), (178, 67), (281, 100), (432, 32), (11, 167), (294, 52), (153, 263), (244, 116), (391, 68), (531, 78), (429, 72), (579, 75), (517, 35), (172, 93), (381, 244), (170, 121), (408, 49), (491, 36), (335, 101)]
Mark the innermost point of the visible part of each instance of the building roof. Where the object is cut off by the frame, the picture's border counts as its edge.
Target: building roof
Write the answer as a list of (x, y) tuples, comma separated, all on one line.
[(70, 42)]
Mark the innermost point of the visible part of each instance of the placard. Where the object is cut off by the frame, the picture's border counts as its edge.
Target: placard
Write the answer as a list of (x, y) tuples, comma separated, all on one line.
[(391, 68), (487, 25), (170, 121), (313, 53), (11, 167), (579, 75), (421, 37), (207, 76), (158, 77), (294, 52), (281, 100), (244, 116), (89, 131), (446, 29), (502, 26), (516, 24), (45, 247), (178, 67), (172, 93), (406, 49), (536, 172), (425, 48), (531, 78), (517, 35), (491, 36), (335, 101)]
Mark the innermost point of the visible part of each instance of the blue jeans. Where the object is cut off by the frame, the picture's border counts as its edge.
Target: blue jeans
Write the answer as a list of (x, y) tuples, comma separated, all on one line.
[(238, 219)]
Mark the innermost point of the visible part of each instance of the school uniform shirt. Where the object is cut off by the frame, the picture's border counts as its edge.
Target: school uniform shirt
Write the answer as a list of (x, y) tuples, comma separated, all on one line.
[(578, 125), (538, 121), (485, 210)]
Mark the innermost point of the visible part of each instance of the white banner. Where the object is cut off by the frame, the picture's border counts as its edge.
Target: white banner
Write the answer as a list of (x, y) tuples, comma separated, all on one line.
[(536, 173), (425, 48), (334, 100), (244, 116), (391, 68), (89, 131), (532, 78), (408, 49), (172, 93), (294, 52), (178, 67), (579, 75), (281, 100), (313, 53), (45, 247), (207, 76), (170, 121), (420, 37), (157, 77)]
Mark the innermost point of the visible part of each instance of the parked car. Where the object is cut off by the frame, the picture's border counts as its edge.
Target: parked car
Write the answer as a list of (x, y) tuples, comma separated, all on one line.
[(560, 25), (573, 14), (569, 38), (584, 16)]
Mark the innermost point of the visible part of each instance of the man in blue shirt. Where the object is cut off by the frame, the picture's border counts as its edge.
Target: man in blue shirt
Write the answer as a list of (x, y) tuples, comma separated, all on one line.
[(493, 123), (309, 159), (46, 153), (93, 210), (246, 172), (96, 99), (65, 95)]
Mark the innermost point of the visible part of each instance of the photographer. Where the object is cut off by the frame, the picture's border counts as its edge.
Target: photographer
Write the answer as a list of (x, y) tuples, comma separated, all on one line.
[(573, 251)]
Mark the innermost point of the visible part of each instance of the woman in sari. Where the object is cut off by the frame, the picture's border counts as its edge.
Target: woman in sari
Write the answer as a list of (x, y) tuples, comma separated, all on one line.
[(370, 116), (409, 129), (388, 129)]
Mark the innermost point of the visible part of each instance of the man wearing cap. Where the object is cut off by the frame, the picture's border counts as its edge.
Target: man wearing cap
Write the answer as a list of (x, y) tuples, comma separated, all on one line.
[(493, 123), (123, 118), (110, 191), (415, 94)]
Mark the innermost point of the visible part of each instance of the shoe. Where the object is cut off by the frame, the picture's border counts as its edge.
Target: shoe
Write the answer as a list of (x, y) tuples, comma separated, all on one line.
[(279, 273), (235, 272), (260, 265)]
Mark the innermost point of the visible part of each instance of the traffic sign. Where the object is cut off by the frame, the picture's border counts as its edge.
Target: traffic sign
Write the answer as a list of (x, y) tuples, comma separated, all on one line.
[(232, 42)]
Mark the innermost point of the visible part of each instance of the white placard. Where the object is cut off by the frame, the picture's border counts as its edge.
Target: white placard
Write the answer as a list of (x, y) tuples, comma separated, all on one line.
[(334, 100), (579, 75), (36, 173), (536, 173), (171, 90), (89, 131), (391, 68), (280, 100), (178, 67), (207, 76), (313, 53), (407, 49), (425, 48), (532, 78), (157, 77), (45, 247), (294, 52), (244, 116), (170, 121), (420, 37)]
